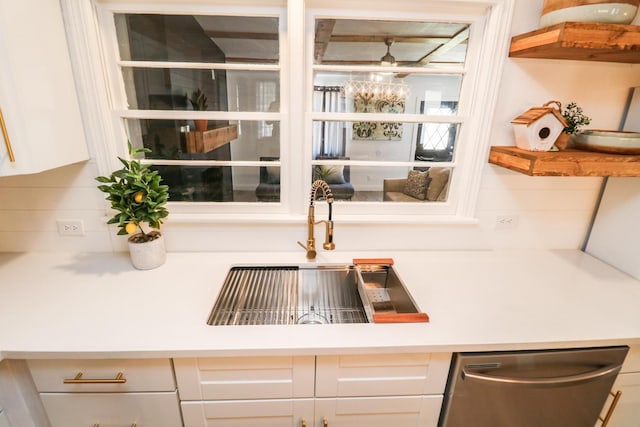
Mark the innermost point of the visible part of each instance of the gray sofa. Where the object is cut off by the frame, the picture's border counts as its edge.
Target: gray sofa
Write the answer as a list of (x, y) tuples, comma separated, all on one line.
[(268, 190)]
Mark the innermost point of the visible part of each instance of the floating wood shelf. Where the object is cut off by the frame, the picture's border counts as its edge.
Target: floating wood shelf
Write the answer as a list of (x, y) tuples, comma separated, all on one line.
[(580, 41), (565, 163), (203, 142)]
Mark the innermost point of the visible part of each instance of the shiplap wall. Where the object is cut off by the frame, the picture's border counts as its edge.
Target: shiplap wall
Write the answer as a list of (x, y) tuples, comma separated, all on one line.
[(551, 212)]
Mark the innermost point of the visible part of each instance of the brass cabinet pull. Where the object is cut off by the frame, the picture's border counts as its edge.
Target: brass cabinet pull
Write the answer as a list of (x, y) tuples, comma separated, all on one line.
[(79, 380), (98, 425), (303, 423), (325, 423), (5, 135), (612, 407)]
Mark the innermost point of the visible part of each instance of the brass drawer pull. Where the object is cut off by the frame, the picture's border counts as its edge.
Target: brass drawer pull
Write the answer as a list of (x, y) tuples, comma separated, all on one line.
[(98, 425), (5, 135), (79, 380), (325, 423), (612, 407), (303, 423)]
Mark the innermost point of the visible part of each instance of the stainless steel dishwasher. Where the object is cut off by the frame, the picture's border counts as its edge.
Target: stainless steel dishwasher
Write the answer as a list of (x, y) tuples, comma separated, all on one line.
[(551, 388)]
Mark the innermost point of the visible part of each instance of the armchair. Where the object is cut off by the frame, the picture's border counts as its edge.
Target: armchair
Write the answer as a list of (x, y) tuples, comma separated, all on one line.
[(437, 186)]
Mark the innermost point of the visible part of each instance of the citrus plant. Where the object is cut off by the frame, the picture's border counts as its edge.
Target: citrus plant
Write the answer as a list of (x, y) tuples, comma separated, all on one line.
[(138, 197), (576, 118)]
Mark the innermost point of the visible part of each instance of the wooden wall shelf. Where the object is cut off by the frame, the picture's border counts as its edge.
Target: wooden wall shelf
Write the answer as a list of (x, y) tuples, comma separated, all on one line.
[(564, 163), (580, 41), (203, 142)]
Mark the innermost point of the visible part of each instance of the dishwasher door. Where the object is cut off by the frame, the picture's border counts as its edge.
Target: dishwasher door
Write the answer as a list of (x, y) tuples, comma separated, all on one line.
[(563, 388)]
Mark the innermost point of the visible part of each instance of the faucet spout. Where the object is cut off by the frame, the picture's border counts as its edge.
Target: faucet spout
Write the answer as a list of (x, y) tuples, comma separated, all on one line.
[(328, 244)]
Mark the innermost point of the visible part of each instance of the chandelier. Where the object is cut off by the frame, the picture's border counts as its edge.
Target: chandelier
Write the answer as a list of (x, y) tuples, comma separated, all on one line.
[(369, 89)]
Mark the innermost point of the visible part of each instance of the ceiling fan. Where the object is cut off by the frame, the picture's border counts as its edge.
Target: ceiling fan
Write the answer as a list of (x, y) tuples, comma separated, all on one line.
[(388, 59)]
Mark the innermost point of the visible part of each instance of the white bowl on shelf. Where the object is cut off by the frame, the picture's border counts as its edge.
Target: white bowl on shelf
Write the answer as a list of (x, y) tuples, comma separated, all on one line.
[(609, 13), (608, 141)]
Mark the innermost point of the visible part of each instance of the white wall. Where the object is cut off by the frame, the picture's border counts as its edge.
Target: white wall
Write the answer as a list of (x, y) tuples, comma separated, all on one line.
[(550, 212)]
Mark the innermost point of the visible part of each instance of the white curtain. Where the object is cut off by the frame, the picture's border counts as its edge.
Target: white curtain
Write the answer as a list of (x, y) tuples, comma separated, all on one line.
[(328, 137)]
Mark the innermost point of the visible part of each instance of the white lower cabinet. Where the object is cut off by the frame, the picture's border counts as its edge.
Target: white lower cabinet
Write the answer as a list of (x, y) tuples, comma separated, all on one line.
[(325, 391), (245, 413), (159, 409), (396, 411), (114, 393), (627, 411)]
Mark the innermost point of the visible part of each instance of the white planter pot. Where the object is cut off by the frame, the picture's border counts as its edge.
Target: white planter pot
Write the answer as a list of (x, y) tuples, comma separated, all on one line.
[(148, 255)]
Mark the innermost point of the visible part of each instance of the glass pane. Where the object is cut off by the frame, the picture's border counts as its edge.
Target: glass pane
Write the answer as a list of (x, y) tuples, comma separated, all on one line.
[(377, 93), (222, 90), (385, 141), (388, 184), (197, 38), (390, 43), (223, 140), (240, 184)]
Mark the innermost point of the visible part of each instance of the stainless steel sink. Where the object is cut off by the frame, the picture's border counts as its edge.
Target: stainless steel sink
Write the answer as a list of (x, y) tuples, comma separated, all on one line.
[(312, 293)]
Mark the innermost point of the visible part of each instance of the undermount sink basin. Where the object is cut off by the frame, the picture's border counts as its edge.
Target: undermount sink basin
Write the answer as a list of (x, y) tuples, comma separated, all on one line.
[(312, 293)]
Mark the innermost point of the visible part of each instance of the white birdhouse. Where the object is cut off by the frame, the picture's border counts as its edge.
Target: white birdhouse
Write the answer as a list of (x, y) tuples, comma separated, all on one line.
[(538, 128)]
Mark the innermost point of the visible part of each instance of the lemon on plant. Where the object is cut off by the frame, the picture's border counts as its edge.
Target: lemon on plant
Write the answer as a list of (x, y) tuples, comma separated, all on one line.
[(131, 228), (138, 197)]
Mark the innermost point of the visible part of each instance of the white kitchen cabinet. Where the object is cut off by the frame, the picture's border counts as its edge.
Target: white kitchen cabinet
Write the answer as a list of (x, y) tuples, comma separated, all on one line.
[(158, 409), (248, 413), (343, 391), (42, 125), (107, 392), (627, 411), (224, 378), (396, 411), (382, 374)]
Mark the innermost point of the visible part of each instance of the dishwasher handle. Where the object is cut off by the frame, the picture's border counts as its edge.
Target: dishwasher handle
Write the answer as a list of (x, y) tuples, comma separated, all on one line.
[(545, 381)]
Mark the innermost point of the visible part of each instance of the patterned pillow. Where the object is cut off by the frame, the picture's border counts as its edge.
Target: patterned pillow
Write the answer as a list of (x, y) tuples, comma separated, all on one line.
[(417, 184), (330, 174)]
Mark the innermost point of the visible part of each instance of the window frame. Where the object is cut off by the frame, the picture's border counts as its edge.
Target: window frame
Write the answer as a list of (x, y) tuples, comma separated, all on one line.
[(88, 40)]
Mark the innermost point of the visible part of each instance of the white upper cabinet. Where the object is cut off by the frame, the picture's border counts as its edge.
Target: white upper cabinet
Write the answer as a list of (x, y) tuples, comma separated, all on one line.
[(41, 126)]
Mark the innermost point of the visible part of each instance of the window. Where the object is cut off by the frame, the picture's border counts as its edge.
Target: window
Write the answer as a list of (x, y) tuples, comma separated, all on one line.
[(242, 106), (374, 75), (196, 87)]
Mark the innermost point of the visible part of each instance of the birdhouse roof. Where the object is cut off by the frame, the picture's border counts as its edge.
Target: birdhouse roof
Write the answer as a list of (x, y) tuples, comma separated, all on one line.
[(534, 114)]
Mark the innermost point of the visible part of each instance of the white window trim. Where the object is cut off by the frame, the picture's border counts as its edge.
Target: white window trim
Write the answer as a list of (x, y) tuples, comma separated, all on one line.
[(92, 78)]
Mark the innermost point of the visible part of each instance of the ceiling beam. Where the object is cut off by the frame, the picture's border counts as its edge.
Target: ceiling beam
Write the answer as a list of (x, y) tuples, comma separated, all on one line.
[(459, 38), (241, 35), (354, 38), (324, 28)]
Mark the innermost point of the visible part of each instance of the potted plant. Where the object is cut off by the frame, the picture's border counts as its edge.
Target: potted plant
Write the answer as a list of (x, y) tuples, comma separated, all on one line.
[(138, 197), (576, 118), (198, 101)]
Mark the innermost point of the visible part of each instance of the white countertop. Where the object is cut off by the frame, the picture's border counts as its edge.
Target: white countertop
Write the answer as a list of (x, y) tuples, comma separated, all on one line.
[(97, 305)]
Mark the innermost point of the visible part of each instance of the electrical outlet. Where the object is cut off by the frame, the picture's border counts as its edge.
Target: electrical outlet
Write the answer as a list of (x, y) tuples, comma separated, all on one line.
[(70, 227), (504, 222)]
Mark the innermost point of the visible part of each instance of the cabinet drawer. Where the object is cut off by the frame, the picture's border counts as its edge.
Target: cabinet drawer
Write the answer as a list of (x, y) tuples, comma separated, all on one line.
[(627, 412), (139, 375), (396, 411), (632, 361), (249, 413), (382, 375), (160, 409), (244, 377)]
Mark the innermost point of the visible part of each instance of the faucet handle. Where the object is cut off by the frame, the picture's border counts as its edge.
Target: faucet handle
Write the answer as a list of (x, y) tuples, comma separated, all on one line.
[(310, 248)]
